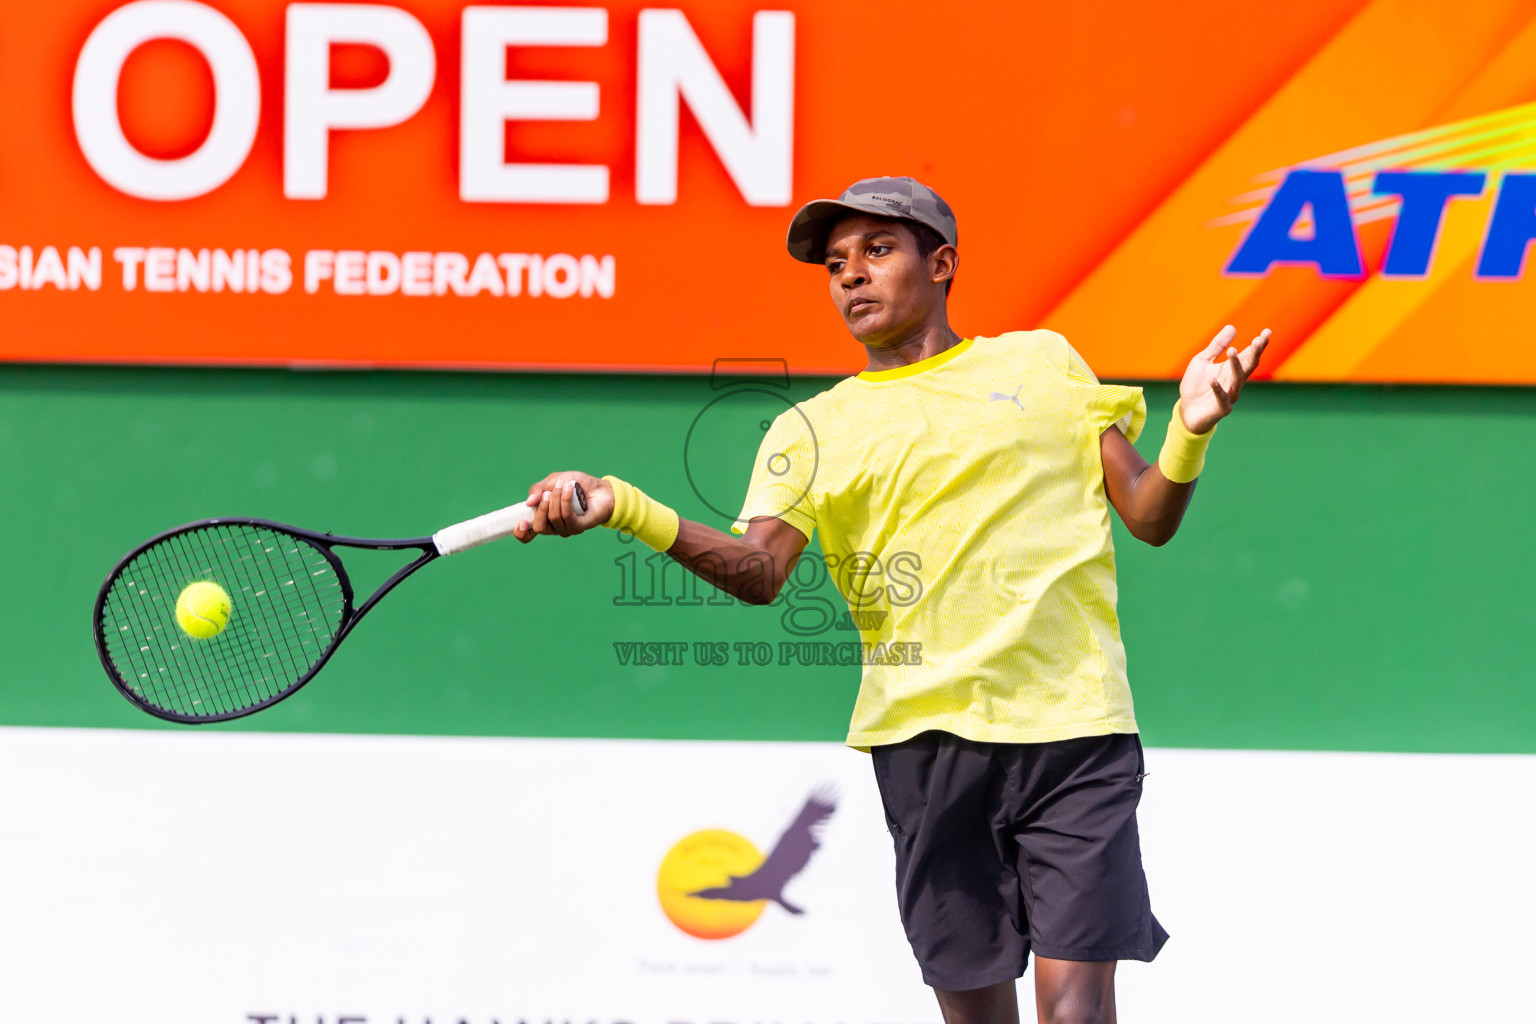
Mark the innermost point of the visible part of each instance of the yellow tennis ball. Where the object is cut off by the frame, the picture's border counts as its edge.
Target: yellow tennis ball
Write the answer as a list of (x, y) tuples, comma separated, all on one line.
[(203, 610)]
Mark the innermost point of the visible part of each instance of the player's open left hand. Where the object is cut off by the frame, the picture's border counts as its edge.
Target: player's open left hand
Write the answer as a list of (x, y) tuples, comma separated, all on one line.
[(1210, 388), (553, 500)]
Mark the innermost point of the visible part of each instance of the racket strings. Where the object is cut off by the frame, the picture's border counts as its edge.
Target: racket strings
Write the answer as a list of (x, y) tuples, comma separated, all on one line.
[(195, 548), (178, 664), (287, 603), (171, 679), (281, 615), (172, 673)]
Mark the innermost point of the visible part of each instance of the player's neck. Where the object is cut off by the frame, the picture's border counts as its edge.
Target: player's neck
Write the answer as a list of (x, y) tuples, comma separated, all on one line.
[(924, 342)]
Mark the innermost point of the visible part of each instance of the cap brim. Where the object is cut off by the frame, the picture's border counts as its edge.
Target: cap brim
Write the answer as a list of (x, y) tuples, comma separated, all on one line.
[(807, 237)]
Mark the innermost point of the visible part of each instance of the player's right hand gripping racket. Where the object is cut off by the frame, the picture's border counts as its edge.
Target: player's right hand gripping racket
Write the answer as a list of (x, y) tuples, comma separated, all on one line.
[(290, 607)]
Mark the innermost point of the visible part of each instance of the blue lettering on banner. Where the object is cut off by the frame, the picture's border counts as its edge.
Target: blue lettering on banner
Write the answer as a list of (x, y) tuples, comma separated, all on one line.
[(1510, 229), (1332, 247), (1425, 195)]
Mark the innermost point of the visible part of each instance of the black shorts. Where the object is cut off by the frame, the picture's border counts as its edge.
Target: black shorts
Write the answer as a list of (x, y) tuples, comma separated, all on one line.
[(1003, 848)]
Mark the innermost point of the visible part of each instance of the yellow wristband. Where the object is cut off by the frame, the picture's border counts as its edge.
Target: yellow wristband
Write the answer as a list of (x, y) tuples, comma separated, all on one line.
[(643, 517), (1183, 454)]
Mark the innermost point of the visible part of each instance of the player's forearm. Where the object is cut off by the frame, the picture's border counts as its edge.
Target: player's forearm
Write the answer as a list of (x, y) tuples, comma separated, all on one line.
[(1155, 506), (1149, 504), (751, 569)]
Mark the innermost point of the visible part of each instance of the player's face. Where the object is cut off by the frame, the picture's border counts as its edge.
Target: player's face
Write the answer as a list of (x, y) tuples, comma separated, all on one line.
[(880, 283)]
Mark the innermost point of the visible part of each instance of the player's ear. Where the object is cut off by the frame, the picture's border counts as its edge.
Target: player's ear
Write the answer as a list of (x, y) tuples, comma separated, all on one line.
[(944, 262)]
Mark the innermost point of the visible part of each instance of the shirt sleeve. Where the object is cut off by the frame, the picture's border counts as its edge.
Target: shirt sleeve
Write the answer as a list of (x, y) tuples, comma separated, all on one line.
[(1107, 405), (782, 476)]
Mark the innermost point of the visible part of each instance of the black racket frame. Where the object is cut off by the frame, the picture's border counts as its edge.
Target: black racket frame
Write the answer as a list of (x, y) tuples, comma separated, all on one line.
[(350, 617)]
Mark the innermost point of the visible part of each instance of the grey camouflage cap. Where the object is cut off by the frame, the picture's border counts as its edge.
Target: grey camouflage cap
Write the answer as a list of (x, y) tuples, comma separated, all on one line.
[(906, 198)]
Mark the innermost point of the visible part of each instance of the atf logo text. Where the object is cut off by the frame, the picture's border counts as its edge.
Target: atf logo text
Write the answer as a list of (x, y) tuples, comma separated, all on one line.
[(1333, 248), (1310, 214)]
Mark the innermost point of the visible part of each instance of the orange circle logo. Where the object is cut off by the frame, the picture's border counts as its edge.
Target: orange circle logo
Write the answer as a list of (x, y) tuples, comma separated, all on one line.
[(699, 865)]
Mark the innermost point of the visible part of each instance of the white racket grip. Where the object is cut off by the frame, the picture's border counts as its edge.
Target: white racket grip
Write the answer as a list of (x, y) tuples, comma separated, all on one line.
[(471, 533)]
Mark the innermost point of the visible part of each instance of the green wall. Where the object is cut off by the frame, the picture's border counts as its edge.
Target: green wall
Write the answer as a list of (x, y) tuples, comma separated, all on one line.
[(1356, 571)]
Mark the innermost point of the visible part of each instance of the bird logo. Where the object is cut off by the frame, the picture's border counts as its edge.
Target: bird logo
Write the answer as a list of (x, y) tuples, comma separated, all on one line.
[(715, 884), (998, 396)]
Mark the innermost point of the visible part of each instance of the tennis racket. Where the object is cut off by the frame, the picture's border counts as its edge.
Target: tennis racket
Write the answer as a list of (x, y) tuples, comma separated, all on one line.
[(291, 607)]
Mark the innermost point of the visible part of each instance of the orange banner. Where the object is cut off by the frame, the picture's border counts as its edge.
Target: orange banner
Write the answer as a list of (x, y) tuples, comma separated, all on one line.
[(606, 187)]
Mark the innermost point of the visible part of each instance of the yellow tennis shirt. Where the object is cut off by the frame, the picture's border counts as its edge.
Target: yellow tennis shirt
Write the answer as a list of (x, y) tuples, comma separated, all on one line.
[(962, 515)]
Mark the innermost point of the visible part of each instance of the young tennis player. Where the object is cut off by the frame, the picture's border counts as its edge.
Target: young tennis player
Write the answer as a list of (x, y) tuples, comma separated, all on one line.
[(1007, 755)]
